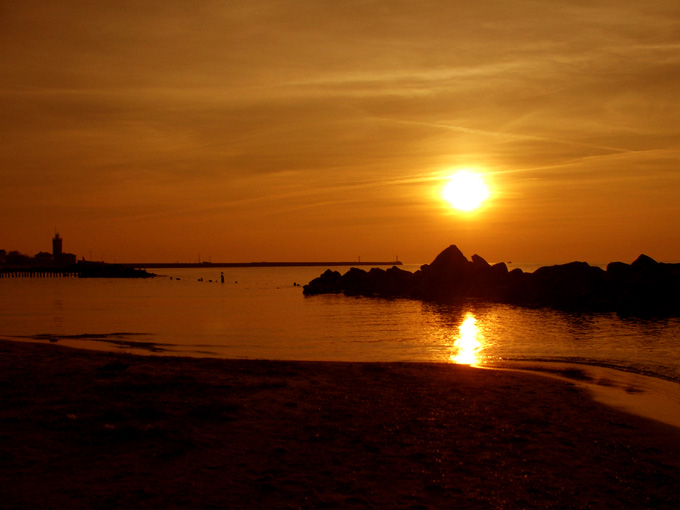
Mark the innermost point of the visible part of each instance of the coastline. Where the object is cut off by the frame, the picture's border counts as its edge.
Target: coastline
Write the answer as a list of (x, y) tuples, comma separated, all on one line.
[(643, 395), (85, 429)]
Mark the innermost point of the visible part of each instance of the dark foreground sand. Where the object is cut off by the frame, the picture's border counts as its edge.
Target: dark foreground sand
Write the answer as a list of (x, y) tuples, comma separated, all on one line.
[(82, 429)]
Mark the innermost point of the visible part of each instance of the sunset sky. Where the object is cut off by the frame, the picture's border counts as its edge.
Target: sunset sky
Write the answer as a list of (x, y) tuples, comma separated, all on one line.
[(282, 130)]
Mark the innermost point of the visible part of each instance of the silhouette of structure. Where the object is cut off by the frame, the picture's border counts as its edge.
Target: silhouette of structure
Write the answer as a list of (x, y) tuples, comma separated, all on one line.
[(60, 258), (44, 265), (57, 248)]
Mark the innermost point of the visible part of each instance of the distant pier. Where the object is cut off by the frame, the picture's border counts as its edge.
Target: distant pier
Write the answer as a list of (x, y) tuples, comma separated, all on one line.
[(79, 270), (38, 272), (133, 270), (163, 265)]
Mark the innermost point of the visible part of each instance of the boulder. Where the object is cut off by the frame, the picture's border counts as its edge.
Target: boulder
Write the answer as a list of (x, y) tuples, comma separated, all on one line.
[(572, 286), (447, 278), (327, 283), (645, 264), (449, 262), (354, 281), (500, 269), (643, 288)]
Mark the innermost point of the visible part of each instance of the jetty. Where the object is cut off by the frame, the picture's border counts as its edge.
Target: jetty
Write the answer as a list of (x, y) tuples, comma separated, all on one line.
[(164, 265), (82, 269), (644, 288), (38, 272)]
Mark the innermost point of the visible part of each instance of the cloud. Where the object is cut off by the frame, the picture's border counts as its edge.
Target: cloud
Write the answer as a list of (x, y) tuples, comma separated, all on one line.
[(288, 108)]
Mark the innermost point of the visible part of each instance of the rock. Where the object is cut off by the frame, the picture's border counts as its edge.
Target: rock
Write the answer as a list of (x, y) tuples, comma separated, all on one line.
[(327, 283), (643, 288), (396, 282), (448, 262), (645, 264), (618, 270), (479, 263), (646, 288), (572, 286), (354, 281), (500, 269), (447, 278)]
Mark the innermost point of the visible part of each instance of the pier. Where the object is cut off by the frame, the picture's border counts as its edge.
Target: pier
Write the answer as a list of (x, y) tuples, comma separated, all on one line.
[(79, 270), (39, 272), (163, 265)]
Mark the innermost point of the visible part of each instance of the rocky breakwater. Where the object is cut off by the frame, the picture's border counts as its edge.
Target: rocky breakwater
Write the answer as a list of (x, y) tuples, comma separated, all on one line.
[(105, 270), (643, 288)]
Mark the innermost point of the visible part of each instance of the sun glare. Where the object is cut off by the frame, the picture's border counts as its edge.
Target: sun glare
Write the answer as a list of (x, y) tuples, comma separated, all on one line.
[(465, 191), (467, 345)]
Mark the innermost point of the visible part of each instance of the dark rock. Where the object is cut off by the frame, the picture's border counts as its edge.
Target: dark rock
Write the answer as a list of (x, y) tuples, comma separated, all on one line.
[(571, 286), (396, 282), (643, 288), (106, 270), (618, 269), (645, 264), (500, 269), (451, 261), (354, 281), (647, 288), (479, 263), (328, 282), (447, 278)]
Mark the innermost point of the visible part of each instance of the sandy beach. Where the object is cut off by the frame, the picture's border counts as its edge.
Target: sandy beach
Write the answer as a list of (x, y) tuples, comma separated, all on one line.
[(82, 429)]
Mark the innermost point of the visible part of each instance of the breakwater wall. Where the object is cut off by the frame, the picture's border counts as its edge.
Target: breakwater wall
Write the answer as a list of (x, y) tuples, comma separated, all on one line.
[(163, 265), (644, 288)]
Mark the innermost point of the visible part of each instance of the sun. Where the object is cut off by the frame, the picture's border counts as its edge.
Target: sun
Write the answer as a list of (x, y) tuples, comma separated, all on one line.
[(465, 191)]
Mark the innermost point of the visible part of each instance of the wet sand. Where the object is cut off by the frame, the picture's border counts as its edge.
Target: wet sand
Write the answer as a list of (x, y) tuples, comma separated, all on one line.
[(643, 395), (83, 429)]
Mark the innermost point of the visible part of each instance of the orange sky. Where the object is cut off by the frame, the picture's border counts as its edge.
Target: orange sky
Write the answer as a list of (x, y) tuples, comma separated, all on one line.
[(324, 130)]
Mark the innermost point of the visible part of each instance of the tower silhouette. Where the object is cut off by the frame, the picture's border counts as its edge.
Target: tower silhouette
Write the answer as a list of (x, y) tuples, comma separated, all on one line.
[(56, 248)]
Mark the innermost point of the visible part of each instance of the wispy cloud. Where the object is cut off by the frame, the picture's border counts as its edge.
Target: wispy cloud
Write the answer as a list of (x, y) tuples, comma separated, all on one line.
[(166, 112)]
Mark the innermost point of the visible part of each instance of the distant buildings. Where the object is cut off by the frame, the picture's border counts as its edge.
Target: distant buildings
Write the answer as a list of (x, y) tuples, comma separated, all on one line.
[(42, 259)]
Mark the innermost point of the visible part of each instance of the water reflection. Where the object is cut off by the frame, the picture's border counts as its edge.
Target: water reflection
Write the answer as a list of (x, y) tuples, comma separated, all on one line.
[(468, 343)]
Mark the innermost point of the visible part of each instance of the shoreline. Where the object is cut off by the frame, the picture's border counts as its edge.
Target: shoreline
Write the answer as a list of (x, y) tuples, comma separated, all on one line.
[(644, 395), (648, 395), (94, 429)]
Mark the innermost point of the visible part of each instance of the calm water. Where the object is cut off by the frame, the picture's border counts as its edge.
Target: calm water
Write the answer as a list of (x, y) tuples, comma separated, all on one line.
[(259, 313)]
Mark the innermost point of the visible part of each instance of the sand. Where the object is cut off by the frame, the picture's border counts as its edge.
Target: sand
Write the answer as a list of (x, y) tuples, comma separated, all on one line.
[(83, 429)]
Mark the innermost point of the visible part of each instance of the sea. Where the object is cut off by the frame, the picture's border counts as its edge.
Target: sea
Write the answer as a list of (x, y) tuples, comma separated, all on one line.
[(261, 313)]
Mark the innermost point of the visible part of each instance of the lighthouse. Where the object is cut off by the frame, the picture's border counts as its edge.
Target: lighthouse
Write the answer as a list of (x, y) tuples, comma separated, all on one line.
[(57, 248)]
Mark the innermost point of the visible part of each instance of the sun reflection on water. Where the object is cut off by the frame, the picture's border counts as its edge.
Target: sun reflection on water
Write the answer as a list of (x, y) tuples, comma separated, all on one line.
[(467, 345)]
